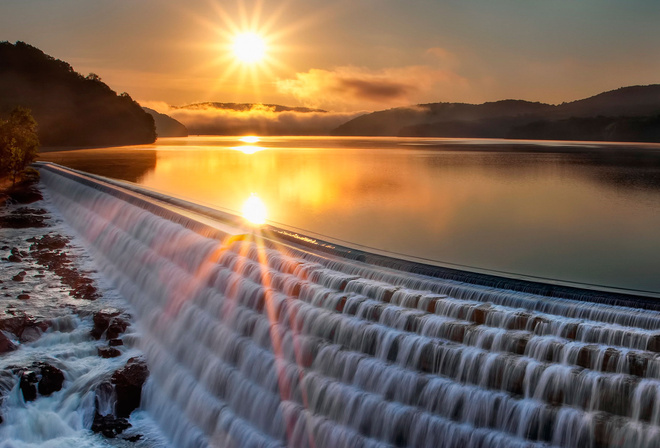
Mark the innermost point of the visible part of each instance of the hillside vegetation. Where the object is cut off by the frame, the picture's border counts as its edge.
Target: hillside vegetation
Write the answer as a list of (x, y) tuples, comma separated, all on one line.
[(625, 114), (70, 109)]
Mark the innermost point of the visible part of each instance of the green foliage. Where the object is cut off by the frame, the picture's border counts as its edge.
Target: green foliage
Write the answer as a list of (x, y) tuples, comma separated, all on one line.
[(18, 142)]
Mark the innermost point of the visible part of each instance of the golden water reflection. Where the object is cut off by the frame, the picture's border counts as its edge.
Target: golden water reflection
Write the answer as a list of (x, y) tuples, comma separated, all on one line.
[(248, 149), (254, 210), (570, 216)]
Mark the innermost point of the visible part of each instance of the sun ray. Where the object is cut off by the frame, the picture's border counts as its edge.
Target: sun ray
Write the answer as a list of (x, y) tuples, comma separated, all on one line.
[(239, 81)]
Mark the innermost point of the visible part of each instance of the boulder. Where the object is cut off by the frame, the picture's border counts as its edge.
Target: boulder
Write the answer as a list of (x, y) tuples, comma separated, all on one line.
[(40, 377), (109, 425), (30, 334), (6, 345), (108, 352), (117, 326), (102, 321), (115, 342), (51, 380), (28, 385), (128, 383), (23, 326)]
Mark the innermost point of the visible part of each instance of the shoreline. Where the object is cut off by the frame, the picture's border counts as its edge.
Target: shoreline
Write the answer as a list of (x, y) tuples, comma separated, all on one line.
[(65, 333)]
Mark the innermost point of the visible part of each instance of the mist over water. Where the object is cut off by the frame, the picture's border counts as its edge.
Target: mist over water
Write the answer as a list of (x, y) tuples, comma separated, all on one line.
[(577, 212)]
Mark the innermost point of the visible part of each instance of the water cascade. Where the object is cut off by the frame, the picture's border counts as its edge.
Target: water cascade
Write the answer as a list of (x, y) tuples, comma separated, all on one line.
[(252, 343)]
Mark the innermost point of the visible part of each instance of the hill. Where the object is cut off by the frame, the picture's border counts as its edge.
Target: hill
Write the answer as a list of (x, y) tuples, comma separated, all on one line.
[(167, 126), (625, 114), (70, 109)]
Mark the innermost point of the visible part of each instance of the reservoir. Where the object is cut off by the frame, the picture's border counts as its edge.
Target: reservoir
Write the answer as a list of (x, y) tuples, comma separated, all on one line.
[(581, 213)]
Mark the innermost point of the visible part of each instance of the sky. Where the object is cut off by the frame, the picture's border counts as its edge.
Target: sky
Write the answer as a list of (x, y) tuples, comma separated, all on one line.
[(348, 56)]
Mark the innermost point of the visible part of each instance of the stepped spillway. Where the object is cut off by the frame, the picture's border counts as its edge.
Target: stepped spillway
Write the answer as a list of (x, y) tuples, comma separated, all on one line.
[(255, 342)]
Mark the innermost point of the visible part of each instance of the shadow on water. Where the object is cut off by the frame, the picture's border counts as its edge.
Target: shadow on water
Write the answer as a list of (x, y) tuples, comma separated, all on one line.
[(128, 164)]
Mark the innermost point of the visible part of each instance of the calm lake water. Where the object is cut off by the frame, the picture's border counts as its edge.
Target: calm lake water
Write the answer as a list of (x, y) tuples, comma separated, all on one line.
[(585, 213)]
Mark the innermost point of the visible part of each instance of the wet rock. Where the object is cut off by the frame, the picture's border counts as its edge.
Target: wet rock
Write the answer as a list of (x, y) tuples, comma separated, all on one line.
[(117, 326), (102, 321), (128, 383), (22, 221), (13, 258), (51, 380), (47, 251), (39, 377), (14, 324), (19, 277), (134, 438), (115, 342), (28, 385), (48, 242), (24, 193), (5, 344), (20, 323), (30, 211), (24, 217), (23, 296), (108, 352), (109, 425), (30, 333)]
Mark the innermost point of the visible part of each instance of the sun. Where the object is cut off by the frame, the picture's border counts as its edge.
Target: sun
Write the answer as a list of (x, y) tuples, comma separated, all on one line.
[(249, 47)]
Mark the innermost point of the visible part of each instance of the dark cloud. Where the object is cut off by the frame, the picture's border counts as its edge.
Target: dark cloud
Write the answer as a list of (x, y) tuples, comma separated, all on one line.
[(374, 90)]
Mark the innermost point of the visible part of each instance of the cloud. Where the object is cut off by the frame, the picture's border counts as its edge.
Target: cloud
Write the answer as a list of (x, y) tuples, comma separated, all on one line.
[(259, 119), (346, 88)]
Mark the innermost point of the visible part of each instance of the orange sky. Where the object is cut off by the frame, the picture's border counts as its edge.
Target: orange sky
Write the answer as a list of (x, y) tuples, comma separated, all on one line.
[(349, 55)]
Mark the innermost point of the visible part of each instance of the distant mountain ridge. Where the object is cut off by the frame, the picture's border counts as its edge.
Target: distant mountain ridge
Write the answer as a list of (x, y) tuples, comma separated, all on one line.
[(70, 109), (626, 114), (167, 126)]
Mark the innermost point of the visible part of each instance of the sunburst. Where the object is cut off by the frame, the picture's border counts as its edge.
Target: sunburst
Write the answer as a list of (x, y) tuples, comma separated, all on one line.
[(252, 46)]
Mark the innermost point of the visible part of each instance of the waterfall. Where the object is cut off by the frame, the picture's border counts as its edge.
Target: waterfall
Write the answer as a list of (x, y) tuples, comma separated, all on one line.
[(253, 343)]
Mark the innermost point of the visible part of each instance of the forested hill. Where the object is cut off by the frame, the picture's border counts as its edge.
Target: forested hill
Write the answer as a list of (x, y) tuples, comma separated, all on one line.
[(70, 109), (625, 114)]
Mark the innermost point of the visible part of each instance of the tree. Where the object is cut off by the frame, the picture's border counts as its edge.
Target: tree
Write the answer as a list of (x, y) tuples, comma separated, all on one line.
[(18, 142)]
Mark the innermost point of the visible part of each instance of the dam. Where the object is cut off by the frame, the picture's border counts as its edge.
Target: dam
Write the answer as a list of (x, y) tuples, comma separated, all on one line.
[(259, 337)]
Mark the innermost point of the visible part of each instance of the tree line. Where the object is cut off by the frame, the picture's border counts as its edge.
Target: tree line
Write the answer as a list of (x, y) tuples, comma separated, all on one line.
[(18, 143)]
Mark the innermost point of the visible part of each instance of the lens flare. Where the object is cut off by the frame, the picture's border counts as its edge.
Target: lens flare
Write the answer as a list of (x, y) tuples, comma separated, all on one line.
[(254, 210)]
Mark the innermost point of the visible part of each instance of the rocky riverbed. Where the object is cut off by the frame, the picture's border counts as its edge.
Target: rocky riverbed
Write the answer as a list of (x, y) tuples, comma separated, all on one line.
[(70, 370)]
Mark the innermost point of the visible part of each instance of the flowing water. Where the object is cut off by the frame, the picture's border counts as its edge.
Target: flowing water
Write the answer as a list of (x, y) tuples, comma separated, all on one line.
[(256, 344), (579, 212)]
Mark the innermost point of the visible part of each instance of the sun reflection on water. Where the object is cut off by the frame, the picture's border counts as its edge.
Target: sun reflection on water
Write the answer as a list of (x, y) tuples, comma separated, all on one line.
[(249, 139), (254, 210), (248, 149)]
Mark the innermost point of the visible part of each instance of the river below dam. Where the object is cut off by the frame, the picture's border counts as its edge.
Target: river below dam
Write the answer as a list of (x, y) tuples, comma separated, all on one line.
[(585, 213)]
